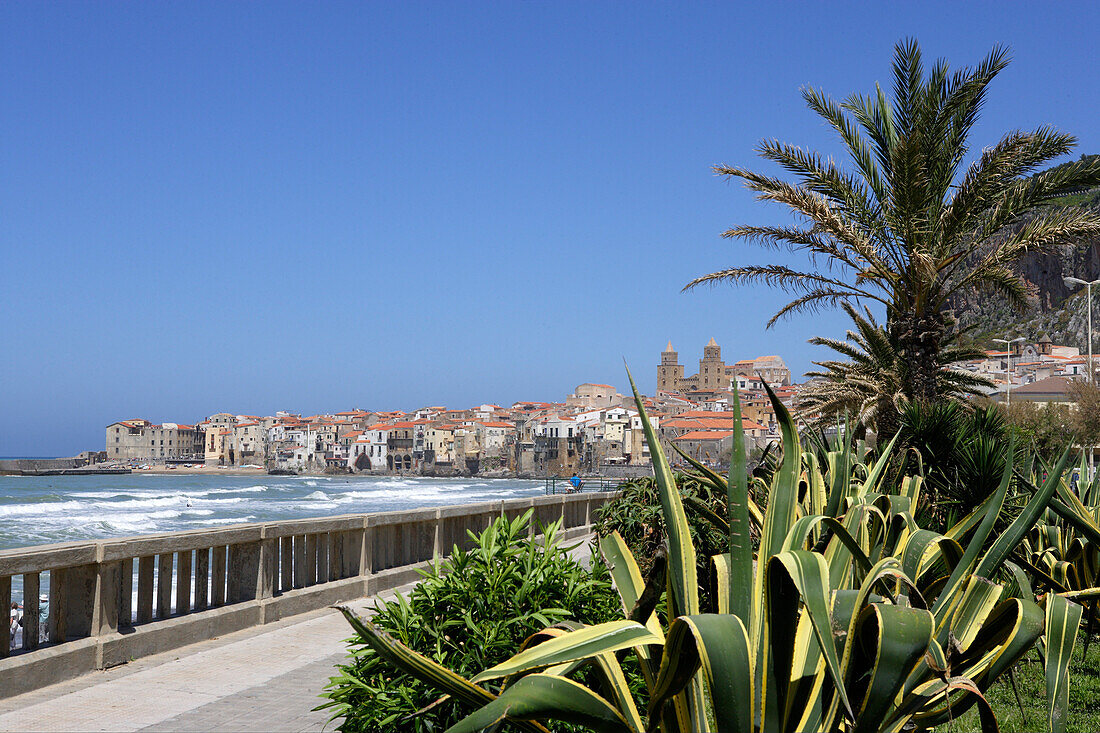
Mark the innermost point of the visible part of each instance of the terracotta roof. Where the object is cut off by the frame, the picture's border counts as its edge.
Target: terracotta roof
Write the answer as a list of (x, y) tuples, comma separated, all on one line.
[(706, 435)]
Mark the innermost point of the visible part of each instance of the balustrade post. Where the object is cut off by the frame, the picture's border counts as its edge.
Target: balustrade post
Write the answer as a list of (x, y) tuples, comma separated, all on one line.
[(286, 563), (217, 593), (267, 577), (105, 606), (437, 539), (244, 571), (126, 593), (30, 611), (183, 581), (164, 585), (202, 578), (311, 559), (322, 557), (145, 589), (299, 561), (55, 620), (366, 554), (5, 628)]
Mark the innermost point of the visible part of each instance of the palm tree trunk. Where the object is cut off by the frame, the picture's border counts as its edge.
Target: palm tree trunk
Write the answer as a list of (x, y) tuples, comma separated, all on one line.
[(887, 422), (920, 337)]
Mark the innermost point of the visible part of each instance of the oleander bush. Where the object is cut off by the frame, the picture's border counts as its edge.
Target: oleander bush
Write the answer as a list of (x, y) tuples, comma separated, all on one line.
[(469, 612)]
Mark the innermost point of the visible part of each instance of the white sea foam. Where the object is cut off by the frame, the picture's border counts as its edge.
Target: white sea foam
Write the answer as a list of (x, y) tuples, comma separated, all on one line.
[(318, 495)]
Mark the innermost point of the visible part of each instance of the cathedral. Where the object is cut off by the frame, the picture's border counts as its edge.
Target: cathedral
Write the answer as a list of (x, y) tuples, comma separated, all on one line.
[(714, 374)]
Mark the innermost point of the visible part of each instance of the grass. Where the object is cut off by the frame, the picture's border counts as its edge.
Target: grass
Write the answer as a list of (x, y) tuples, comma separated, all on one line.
[(1084, 696)]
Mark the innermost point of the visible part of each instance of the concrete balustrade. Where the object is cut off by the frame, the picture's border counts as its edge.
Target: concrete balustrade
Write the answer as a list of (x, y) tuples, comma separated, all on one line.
[(115, 600)]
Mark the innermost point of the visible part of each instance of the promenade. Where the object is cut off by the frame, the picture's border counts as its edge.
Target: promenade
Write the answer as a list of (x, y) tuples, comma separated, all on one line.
[(265, 678), (260, 679)]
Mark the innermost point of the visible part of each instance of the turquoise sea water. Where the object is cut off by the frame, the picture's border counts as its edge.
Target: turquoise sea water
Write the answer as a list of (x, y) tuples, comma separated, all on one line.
[(38, 510)]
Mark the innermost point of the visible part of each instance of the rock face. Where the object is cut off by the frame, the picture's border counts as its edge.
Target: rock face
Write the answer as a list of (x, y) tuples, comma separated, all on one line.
[(1053, 308)]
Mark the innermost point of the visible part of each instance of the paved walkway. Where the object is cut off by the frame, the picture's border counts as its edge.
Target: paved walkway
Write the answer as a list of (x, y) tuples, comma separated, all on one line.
[(262, 679)]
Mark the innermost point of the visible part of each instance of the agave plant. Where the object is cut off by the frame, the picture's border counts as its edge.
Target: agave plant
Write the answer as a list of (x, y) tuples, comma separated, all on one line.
[(848, 617)]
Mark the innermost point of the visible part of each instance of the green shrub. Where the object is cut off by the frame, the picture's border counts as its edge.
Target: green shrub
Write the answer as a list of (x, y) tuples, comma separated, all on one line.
[(469, 612), (636, 515)]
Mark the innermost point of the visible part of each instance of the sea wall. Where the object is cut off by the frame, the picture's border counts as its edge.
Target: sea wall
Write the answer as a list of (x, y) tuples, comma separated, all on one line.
[(18, 465), (116, 600)]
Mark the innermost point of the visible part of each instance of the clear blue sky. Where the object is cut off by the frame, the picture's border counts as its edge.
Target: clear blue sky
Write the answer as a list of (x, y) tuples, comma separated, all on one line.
[(317, 206)]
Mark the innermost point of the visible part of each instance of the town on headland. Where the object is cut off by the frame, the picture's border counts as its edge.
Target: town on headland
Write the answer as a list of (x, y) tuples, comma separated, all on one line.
[(594, 431)]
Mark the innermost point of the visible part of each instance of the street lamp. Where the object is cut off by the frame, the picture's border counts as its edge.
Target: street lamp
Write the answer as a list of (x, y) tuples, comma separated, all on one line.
[(1088, 304), (1008, 345)]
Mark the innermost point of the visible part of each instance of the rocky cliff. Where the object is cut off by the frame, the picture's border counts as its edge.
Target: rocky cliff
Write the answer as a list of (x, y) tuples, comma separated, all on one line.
[(1053, 308)]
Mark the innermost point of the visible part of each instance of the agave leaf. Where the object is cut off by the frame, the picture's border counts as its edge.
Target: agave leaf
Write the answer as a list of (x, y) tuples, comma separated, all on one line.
[(800, 533), (616, 685), (683, 575), (793, 577), (891, 641), (722, 581), (422, 668), (580, 644), (905, 714), (1085, 594), (1019, 528), (783, 499), (719, 645), (698, 506), (870, 485), (1063, 618), (967, 618), (977, 542), (625, 574), (717, 483), (923, 548), (1078, 517), (740, 580), (839, 480), (548, 697)]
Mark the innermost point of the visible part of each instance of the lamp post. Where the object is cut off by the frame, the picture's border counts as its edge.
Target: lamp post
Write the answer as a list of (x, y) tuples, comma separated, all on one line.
[(1088, 304), (1008, 345)]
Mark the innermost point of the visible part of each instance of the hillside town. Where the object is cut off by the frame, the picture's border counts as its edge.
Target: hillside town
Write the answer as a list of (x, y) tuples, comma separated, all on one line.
[(595, 429)]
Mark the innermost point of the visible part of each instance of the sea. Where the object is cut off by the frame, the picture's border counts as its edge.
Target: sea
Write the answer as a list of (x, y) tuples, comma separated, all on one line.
[(37, 510)]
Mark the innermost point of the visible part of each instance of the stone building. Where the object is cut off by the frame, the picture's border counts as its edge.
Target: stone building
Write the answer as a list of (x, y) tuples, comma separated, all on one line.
[(141, 440), (594, 396)]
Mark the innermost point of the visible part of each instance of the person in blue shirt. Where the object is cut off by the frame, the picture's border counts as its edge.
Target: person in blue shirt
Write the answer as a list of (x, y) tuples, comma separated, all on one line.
[(576, 482)]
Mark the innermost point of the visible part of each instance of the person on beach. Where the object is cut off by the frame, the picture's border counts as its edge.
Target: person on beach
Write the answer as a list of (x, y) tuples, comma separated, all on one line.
[(15, 624)]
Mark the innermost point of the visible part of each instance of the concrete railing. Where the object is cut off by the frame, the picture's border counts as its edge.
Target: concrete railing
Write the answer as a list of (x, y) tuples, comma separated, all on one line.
[(115, 600)]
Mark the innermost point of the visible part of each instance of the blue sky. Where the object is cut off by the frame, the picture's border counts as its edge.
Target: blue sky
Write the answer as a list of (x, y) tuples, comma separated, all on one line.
[(319, 206)]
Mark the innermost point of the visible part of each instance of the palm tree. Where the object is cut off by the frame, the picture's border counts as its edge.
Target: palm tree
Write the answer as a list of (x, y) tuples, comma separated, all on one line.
[(908, 227), (870, 386)]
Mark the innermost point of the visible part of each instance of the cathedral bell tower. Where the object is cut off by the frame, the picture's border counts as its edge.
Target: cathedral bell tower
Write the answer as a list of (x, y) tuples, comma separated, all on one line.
[(669, 371)]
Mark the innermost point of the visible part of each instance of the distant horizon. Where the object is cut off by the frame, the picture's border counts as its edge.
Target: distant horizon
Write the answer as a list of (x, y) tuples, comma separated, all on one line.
[(268, 206)]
